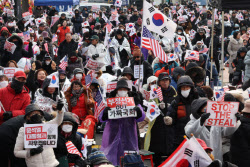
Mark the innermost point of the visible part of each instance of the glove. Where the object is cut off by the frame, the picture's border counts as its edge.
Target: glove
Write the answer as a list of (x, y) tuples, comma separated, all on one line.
[(105, 113), (166, 67), (59, 105), (7, 115), (168, 120), (237, 115), (95, 56), (204, 117), (81, 162), (162, 105), (215, 163), (37, 150)]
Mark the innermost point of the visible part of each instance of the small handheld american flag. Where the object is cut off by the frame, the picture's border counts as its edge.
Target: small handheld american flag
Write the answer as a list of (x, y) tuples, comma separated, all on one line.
[(72, 148), (99, 105), (89, 78), (64, 63), (159, 93)]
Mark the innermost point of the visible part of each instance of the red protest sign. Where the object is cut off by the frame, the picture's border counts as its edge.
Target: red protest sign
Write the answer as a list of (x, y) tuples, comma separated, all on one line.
[(10, 71), (121, 107), (111, 86), (222, 113), (94, 65), (9, 46)]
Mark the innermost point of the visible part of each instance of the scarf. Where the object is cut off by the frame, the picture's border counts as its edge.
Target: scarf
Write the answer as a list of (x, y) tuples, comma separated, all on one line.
[(75, 97)]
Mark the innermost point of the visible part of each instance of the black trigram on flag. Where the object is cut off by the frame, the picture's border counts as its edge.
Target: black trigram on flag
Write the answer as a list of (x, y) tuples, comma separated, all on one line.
[(196, 163), (151, 9), (164, 29), (188, 152)]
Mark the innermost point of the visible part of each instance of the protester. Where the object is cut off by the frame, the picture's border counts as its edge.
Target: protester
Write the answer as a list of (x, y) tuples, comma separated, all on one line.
[(62, 31), (96, 50), (73, 63), (77, 20)]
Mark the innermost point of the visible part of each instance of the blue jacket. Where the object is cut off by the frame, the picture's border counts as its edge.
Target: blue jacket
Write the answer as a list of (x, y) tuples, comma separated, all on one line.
[(159, 66), (173, 83)]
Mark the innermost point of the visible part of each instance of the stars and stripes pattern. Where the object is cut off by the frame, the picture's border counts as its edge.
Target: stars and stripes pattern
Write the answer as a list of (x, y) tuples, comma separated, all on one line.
[(159, 93), (150, 43), (64, 63), (99, 105), (89, 78), (72, 148)]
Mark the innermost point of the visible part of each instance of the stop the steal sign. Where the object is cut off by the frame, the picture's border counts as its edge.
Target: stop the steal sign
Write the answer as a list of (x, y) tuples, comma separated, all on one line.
[(222, 113)]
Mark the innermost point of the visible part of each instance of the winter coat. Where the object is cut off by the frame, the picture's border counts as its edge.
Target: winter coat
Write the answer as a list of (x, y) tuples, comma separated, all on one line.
[(197, 37), (16, 103), (89, 124), (119, 47), (207, 67), (116, 136), (48, 68), (98, 49), (134, 18), (18, 53), (61, 31), (212, 137), (77, 21), (232, 49), (159, 67), (46, 158), (55, 26), (37, 12), (72, 65), (160, 137), (240, 142), (81, 105), (147, 69), (247, 67), (66, 48), (238, 63), (61, 149)]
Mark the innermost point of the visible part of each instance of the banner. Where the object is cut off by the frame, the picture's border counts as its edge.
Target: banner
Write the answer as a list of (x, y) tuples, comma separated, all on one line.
[(10, 71), (138, 73), (9, 46), (27, 15), (192, 55), (40, 134), (145, 94), (222, 113), (111, 86), (94, 65), (121, 107)]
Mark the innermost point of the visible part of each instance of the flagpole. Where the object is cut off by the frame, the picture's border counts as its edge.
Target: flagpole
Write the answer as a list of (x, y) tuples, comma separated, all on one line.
[(2, 106)]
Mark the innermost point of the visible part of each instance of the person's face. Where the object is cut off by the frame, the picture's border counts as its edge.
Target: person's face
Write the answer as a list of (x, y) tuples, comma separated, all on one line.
[(68, 37), (62, 76), (183, 88), (63, 17), (64, 23), (238, 36), (42, 28), (40, 38), (243, 32), (76, 87), (245, 43), (12, 65), (233, 15), (119, 36), (128, 76), (135, 13), (201, 33), (152, 83), (21, 79), (33, 113), (164, 83), (41, 75), (242, 54), (94, 42), (122, 89), (92, 87), (51, 90)]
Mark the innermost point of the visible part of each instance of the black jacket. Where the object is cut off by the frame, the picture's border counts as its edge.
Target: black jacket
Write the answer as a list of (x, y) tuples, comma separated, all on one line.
[(32, 83), (240, 144), (48, 68), (66, 48), (197, 37)]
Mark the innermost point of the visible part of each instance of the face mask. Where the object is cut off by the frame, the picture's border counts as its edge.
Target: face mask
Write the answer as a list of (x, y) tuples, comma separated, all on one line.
[(73, 59), (4, 33), (122, 29), (217, 23), (34, 119), (3, 84), (79, 76), (67, 128), (122, 93), (179, 33), (17, 86), (185, 93), (47, 62), (16, 43)]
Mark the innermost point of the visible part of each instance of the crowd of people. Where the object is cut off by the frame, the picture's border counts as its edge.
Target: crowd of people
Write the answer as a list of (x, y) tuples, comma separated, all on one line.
[(66, 47)]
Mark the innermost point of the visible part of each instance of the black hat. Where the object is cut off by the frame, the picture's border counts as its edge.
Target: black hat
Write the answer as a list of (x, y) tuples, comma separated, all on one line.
[(61, 71), (242, 49), (32, 107), (97, 157), (73, 53), (128, 70), (119, 32), (112, 50), (47, 56), (229, 97), (122, 84), (163, 75), (42, 25), (63, 14), (185, 81), (178, 71), (196, 73), (77, 70)]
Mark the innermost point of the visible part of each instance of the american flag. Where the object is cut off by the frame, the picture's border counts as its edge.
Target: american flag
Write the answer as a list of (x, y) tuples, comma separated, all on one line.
[(99, 105), (72, 148), (109, 26), (64, 63), (150, 43), (89, 78), (46, 47), (159, 93)]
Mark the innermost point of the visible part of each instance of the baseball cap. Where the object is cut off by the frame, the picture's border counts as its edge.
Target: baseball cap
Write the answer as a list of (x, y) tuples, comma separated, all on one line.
[(94, 37), (20, 74), (204, 145), (163, 75)]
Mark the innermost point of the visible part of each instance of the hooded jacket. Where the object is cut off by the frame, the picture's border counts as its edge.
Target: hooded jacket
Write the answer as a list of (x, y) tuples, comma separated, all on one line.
[(72, 65), (212, 137), (19, 51), (16, 103), (81, 103), (61, 31), (247, 67), (61, 149), (99, 49), (77, 21), (66, 48)]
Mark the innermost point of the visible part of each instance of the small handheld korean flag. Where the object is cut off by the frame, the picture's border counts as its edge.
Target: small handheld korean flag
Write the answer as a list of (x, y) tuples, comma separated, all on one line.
[(157, 22), (172, 57), (192, 55), (85, 24), (54, 82), (153, 111), (118, 3)]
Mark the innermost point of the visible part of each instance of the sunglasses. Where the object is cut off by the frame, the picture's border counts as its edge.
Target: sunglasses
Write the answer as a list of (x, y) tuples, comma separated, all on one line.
[(137, 57)]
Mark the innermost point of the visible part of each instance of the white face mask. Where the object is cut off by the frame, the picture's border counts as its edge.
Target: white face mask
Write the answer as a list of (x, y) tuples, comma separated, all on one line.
[(79, 76), (67, 128), (185, 93), (3, 84), (179, 32), (122, 93), (47, 62)]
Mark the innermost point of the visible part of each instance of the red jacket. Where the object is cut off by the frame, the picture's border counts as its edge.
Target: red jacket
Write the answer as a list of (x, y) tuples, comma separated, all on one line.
[(61, 33), (16, 103), (89, 124)]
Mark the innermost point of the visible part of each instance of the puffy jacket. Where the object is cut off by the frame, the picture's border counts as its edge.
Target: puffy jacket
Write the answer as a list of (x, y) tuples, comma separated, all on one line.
[(44, 159), (247, 67), (98, 49), (77, 23), (16, 103), (66, 48), (61, 31), (81, 105), (73, 65), (159, 67)]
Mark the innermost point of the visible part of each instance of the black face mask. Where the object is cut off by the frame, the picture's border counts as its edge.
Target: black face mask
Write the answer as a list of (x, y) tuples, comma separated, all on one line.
[(16, 43), (62, 80), (17, 86), (35, 119)]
